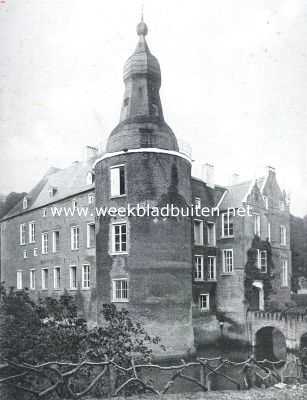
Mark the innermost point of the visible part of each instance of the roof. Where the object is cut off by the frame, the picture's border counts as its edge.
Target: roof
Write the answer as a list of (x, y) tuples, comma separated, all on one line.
[(65, 182), (237, 194), (212, 195)]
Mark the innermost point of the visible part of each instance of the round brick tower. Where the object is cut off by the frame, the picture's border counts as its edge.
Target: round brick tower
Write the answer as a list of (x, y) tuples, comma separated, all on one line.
[(144, 263)]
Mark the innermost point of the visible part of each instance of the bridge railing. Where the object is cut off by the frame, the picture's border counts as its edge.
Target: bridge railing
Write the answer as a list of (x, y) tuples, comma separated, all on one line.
[(66, 380)]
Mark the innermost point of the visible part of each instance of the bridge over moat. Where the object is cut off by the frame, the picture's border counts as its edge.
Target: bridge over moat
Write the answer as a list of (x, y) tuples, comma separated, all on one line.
[(290, 330)]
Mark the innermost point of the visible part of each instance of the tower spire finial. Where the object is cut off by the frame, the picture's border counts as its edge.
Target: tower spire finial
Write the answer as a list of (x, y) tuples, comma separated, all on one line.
[(142, 12), (141, 28)]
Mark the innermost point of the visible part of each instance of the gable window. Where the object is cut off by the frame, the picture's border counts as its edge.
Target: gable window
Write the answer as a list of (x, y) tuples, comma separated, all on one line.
[(197, 202), (198, 268), (45, 278), (204, 303), (119, 238), (45, 243), (55, 241), (266, 202), (57, 277), (120, 290), (228, 261), (257, 226), (75, 237), (117, 181), (19, 280), (32, 232), (32, 279), (283, 235), (91, 198), (262, 261), (35, 252), (198, 232), (73, 277), (211, 268), (25, 254), (85, 276), (44, 212), (74, 204), (25, 203), (52, 191), (211, 235), (227, 225), (284, 273), (22, 234)]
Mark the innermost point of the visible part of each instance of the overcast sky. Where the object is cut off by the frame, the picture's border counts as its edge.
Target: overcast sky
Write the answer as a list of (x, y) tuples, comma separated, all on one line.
[(234, 83)]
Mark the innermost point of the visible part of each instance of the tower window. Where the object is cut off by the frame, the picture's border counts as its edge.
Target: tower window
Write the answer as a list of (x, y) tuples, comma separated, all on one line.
[(118, 184), (227, 225), (227, 261), (204, 302), (262, 260), (126, 101), (283, 235), (155, 110), (198, 268), (120, 290), (119, 238)]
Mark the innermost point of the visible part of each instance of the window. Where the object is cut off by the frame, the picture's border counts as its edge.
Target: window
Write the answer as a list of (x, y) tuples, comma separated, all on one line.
[(211, 234), (257, 227), (25, 254), (73, 277), (22, 234), (74, 204), (32, 232), (227, 225), (269, 231), (197, 202), (44, 212), (227, 261), (75, 237), (118, 185), (55, 241), (57, 277), (198, 268), (119, 238), (89, 178), (198, 232), (90, 235), (211, 268), (45, 243), (19, 280), (282, 205), (35, 252), (283, 235), (25, 203), (204, 302), (266, 202), (91, 198), (262, 261), (284, 272), (120, 290), (32, 279), (45, 278), (85, 276), (52, 191)]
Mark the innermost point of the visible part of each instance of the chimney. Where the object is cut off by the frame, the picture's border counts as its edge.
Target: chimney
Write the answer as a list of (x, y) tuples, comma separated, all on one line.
[(235, 179), (89, 153), (207, 173)]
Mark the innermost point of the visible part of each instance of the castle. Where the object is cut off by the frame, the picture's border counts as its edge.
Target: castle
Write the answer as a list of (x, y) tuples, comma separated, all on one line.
[(185, 278)]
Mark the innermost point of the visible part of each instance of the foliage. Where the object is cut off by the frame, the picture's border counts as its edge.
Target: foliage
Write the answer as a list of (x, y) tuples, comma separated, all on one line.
[(252, 272), (51, 330)]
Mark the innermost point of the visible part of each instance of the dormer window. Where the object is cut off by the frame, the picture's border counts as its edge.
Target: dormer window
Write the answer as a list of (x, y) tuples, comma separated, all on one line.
[(90, 178), (25, 203), (52, 191)]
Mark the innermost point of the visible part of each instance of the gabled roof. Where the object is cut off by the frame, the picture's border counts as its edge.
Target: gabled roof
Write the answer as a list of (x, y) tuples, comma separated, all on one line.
[(237, 194), (65, 182)]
